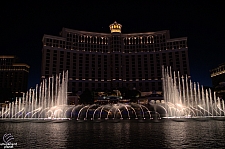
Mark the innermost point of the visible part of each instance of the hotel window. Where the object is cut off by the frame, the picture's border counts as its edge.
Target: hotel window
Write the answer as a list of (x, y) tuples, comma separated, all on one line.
[(55, 43), (48, 42), (183, 54)]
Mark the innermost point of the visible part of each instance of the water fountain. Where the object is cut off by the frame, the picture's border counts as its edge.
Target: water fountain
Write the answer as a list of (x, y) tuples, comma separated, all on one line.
[(187, 99), (183, 99), (117, 111), (47, 101)]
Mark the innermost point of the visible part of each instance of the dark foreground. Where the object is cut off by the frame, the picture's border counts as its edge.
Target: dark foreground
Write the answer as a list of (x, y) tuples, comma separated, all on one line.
[(116, 134)]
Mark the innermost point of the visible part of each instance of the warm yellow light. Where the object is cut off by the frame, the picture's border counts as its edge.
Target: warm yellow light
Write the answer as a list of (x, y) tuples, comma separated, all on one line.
[(115, 27)]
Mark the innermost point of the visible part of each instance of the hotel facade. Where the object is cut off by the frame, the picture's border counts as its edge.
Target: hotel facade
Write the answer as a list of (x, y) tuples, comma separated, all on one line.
[(106, 61), (13, 77), (218, 75), (218, 80)]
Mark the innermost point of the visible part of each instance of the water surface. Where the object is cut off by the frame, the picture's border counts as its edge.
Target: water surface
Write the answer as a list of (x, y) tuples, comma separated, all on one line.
[(123, 134)]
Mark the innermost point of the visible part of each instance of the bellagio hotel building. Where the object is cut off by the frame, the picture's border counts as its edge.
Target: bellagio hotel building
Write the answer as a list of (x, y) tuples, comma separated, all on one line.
[(106, 61)]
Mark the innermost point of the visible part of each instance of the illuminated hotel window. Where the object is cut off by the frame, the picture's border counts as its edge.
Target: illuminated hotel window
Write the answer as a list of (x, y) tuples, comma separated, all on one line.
[(127, 47)]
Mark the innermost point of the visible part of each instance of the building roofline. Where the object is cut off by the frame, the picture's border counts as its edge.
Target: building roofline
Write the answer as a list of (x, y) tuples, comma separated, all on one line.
[(7, 56), (176, 39), (108, 34), (21, 64), (53, 37), (85, 32), (147, 33)]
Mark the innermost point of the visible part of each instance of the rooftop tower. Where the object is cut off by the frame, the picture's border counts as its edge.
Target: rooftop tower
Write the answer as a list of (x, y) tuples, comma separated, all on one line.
[(115, 27)]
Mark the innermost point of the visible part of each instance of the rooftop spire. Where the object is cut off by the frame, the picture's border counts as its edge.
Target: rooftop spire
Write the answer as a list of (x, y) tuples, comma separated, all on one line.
[(115, 27)]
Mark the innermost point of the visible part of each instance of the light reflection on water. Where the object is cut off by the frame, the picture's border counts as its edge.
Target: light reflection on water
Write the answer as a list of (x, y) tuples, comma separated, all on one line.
[(124, 134)]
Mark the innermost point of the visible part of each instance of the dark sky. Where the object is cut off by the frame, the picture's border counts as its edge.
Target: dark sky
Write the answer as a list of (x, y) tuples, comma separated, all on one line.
[(23, 25)]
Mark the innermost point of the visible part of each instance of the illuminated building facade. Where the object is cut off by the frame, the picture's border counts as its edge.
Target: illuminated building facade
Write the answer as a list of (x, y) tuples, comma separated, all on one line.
[(113, 60), (218, 75), (13, 76), (218, 80)]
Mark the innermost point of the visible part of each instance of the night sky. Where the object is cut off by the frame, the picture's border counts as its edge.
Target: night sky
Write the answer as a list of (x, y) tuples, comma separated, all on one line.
[(23, 25)]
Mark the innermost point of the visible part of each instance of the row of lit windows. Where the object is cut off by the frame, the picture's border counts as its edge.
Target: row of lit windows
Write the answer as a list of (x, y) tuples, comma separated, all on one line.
[(98, 66), (162, 46), (97, 81), (87, 38), (104, 40), (6, 61), (127, 60), (84, 57), (107, 56), (104, 73), (128, 45), (2, 69), (125, 50), (93, 86)]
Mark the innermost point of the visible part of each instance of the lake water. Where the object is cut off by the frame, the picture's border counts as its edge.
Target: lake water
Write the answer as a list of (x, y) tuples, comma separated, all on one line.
[(122, 134)]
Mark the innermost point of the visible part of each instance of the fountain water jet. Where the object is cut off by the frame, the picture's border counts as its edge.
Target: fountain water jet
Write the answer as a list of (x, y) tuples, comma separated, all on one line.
[(185, 100), (51, 93)]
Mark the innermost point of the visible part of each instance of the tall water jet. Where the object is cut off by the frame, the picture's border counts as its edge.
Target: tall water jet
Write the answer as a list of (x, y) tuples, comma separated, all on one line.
[(183, 98), (51, 95)]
